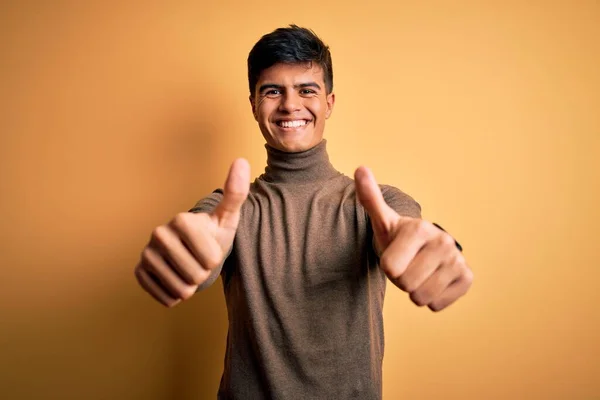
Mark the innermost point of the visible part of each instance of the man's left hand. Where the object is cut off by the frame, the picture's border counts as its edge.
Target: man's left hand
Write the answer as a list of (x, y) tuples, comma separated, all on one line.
[(417, 256)]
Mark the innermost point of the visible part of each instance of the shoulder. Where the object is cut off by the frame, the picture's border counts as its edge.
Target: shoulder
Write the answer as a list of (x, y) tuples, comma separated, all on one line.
[(401, 202), (208, 203)]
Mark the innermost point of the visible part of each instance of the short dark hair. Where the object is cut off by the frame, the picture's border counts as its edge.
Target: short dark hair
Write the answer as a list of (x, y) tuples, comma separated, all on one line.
[(291, 45)]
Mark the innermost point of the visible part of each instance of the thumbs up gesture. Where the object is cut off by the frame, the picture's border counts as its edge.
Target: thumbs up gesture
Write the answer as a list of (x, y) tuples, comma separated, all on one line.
[(418, 257), (181, 254)]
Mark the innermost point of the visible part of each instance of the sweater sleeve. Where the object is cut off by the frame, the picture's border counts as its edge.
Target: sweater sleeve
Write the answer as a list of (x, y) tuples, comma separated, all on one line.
[(401, 202), (207, 205)]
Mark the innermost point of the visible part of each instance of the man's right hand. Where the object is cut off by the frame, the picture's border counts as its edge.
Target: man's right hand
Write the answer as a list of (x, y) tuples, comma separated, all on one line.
[(181, 254)]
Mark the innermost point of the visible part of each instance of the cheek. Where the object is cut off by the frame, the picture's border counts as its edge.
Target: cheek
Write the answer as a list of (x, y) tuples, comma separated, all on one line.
[(315, 107), (264, 109)]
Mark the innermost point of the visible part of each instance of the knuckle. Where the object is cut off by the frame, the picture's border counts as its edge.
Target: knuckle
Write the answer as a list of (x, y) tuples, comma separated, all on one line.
[(422, 229), (212, 261), (460, 266), (150, 259), (406, 284), (170, 303), (411, 286), (386, 264), (419, 297), (147, 256), (401, 283), (197, 277), (186, 292), (181, 221), (460, 259), (154, 257), (175, 291), (418, 228), (455, 260), (160, 234), (136, 273), (469, 276), (446, 240)]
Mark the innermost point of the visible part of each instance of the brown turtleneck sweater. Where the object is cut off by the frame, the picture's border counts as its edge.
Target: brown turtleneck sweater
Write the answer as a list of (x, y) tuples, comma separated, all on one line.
[(303, 288)]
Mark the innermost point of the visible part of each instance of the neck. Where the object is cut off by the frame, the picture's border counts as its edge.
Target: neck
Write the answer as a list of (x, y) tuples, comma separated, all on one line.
[(307, 166)]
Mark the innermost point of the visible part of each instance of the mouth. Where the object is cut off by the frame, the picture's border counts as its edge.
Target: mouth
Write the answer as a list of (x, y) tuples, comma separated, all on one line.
[(295, 124)]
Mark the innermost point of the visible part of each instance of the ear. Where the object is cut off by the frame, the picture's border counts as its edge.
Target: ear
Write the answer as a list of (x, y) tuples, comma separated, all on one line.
[(253, 105), (330, 103)]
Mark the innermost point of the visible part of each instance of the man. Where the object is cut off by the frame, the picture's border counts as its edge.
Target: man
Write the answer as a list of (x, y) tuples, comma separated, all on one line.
[(304, 251)]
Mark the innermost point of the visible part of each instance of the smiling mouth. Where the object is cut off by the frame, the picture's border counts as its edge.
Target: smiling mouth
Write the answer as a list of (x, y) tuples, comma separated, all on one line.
[(298, 123)]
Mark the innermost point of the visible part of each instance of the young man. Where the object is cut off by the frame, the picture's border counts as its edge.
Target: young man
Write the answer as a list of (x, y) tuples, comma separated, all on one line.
[(303, 251)]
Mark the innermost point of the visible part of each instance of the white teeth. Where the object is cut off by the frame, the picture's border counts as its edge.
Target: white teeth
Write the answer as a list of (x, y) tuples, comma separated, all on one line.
[(292, 124)]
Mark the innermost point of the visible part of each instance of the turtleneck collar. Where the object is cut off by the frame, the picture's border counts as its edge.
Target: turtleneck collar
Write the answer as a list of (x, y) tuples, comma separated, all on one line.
[(307, 166)]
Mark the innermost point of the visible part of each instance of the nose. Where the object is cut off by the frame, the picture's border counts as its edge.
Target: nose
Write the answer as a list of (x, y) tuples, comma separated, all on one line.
[(290, 102)]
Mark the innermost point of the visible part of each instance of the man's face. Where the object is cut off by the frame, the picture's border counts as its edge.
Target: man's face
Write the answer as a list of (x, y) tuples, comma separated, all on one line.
[(290, 104)]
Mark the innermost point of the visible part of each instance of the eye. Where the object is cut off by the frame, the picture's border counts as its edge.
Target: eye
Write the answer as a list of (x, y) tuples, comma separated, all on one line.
[(272, 93), (307, 92)]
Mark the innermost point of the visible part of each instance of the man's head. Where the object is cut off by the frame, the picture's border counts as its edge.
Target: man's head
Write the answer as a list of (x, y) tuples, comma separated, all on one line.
[(291, 88)]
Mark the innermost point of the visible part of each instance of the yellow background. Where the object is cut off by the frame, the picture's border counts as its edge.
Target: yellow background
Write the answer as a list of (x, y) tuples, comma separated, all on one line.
[(115, 117)]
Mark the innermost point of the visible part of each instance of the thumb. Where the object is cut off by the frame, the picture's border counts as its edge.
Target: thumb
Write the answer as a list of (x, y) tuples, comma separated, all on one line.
[(235, 193), (369, 195)]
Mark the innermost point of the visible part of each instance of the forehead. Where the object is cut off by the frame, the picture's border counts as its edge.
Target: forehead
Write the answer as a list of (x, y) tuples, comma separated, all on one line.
[(290, 74)]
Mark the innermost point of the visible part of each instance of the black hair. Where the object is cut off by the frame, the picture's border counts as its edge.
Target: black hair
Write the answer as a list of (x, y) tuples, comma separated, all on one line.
[(291, 45)]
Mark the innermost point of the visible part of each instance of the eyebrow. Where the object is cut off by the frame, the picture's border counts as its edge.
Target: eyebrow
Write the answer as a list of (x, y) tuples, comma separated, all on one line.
[(300, 85)]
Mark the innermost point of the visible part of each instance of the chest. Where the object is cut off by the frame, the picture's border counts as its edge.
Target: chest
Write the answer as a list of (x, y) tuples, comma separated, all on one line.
[(318, 236)]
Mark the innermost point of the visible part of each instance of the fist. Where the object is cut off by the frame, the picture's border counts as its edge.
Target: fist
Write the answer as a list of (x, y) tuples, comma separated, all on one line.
[(416, 256), (182, 254)]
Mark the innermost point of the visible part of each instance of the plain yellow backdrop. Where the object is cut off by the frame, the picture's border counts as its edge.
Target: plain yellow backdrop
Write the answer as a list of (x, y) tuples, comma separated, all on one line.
[(114, 116)]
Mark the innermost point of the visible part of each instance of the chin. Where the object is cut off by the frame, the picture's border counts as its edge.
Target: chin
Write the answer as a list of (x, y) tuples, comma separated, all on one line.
[(295, 146)]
